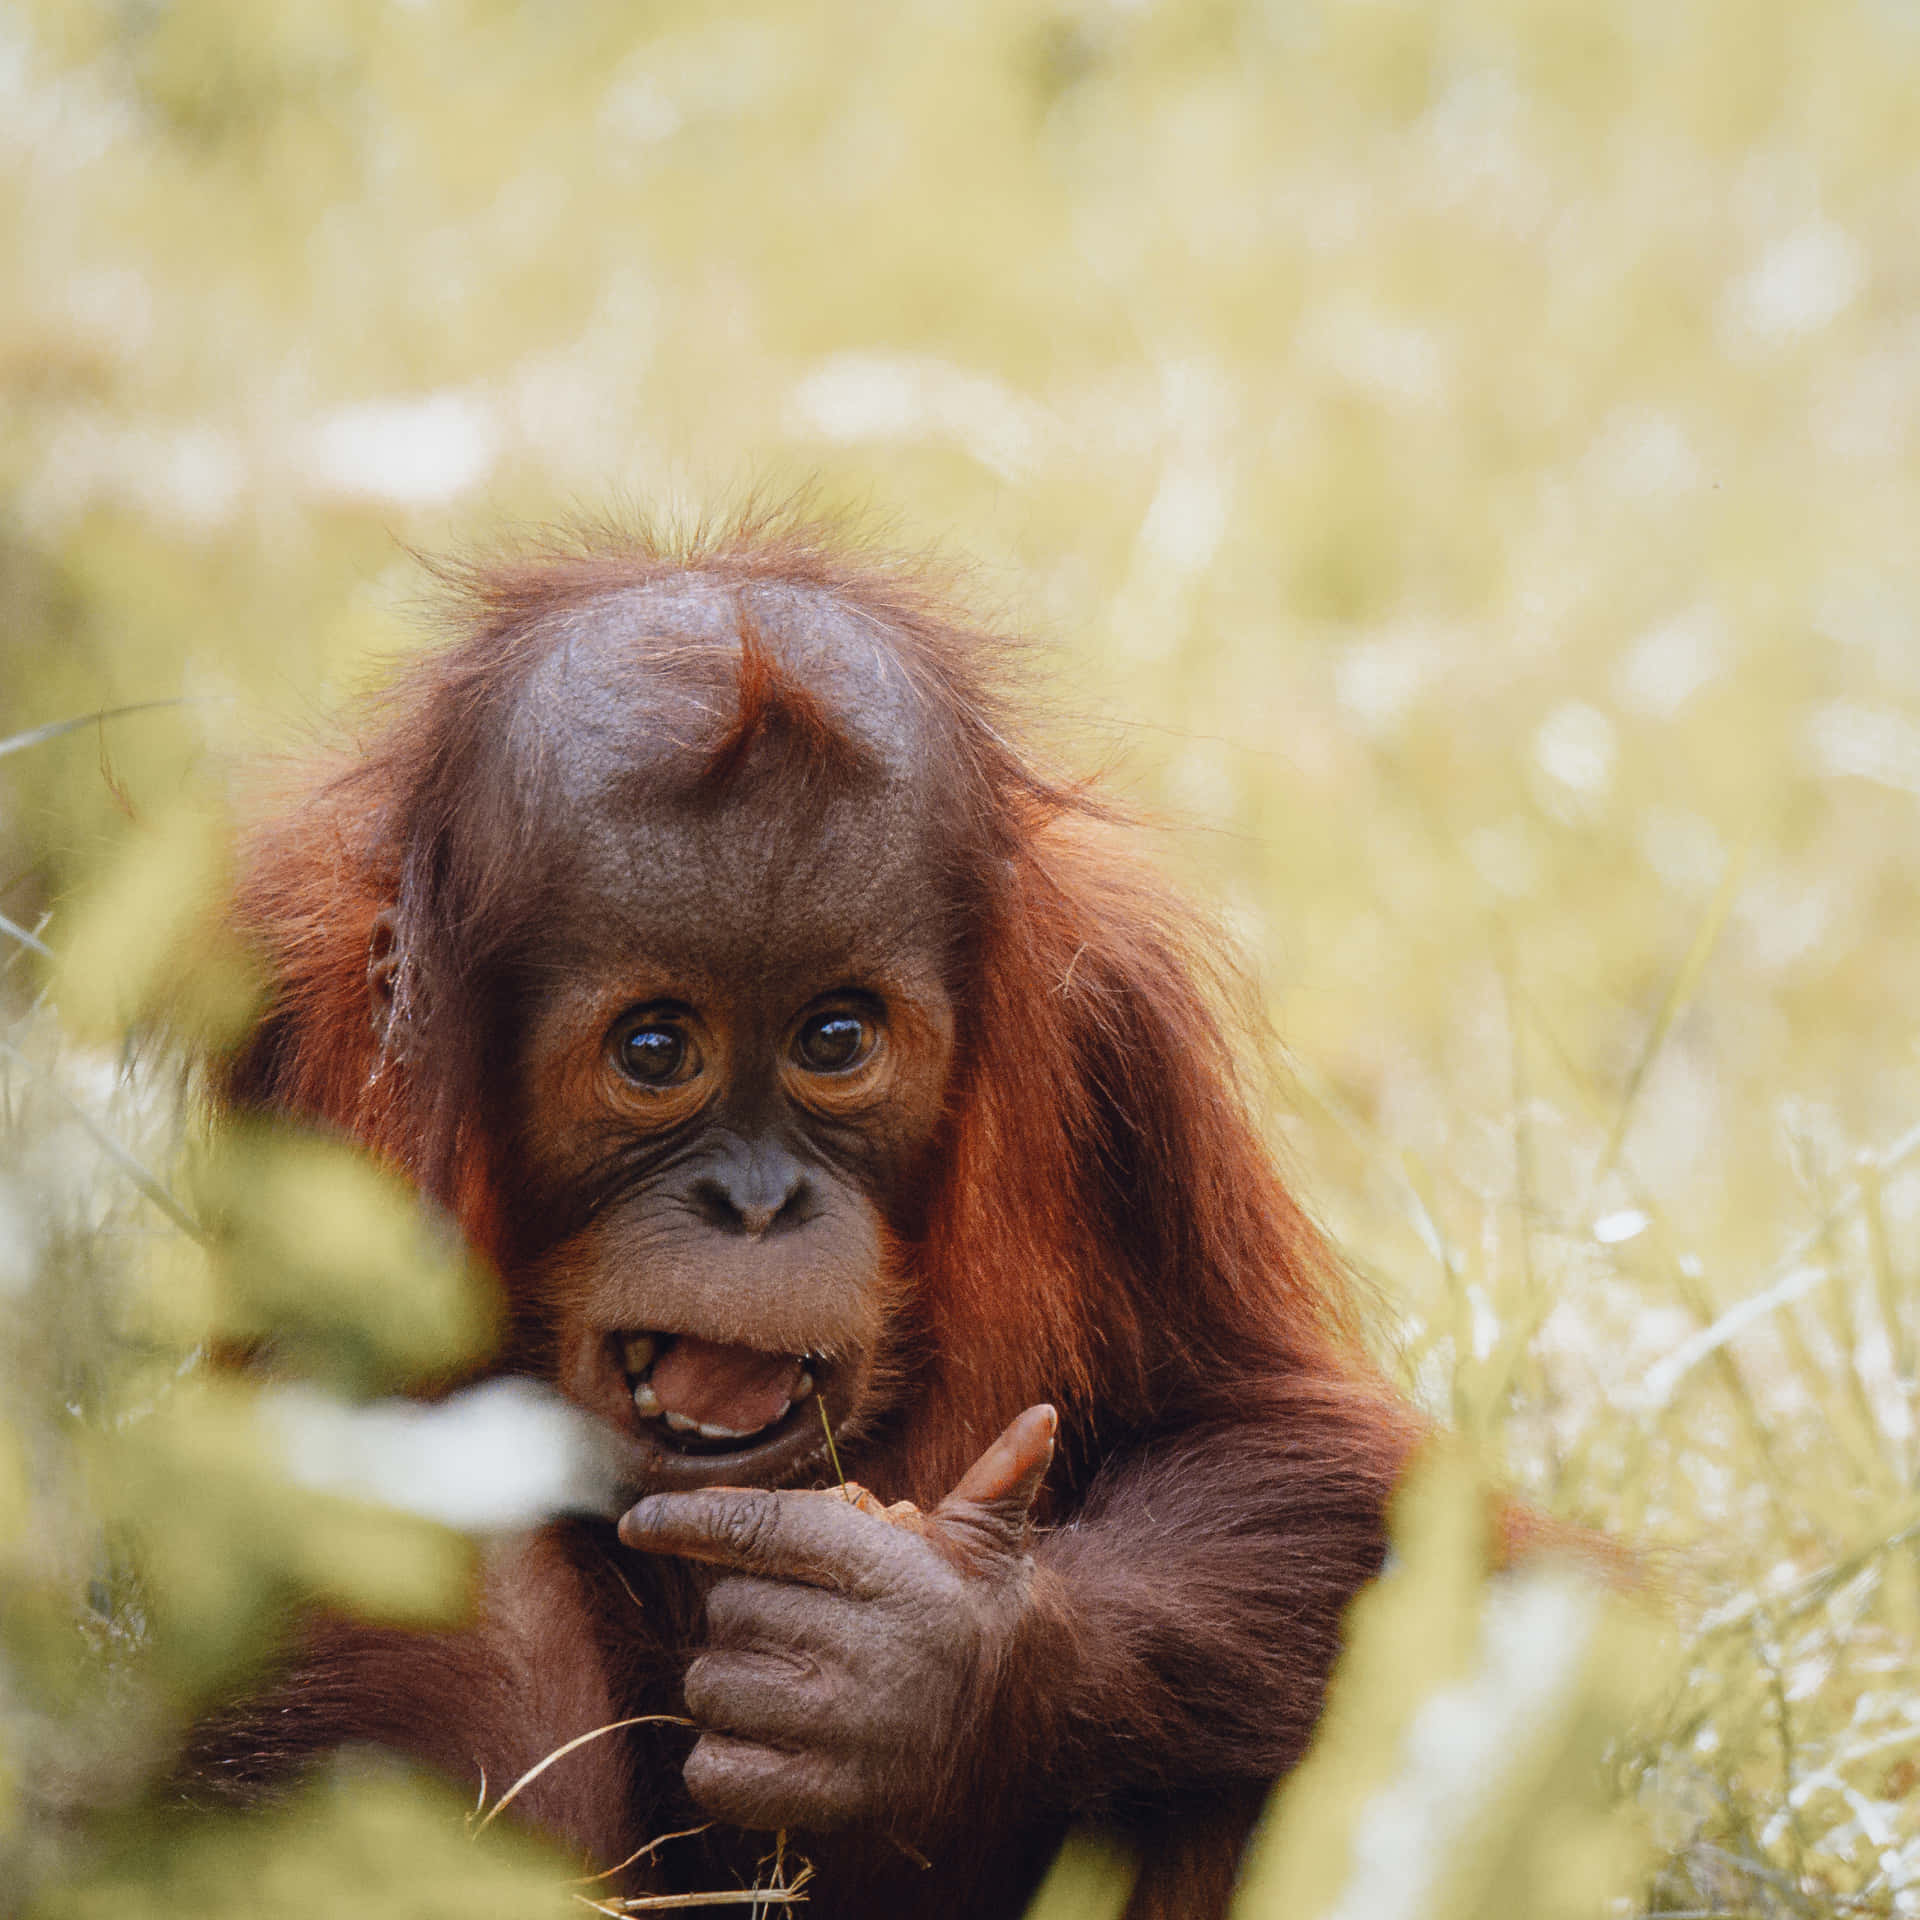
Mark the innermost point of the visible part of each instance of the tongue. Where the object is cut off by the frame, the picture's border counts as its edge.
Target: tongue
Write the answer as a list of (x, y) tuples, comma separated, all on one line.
[(737, 1387)]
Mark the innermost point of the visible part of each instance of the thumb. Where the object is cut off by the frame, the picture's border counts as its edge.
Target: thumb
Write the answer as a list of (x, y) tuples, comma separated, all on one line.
[(996, 1494)]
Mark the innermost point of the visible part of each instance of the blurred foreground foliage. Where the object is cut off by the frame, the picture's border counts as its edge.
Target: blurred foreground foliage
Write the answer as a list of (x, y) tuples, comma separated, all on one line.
[(1474, 449), (153, 1546), (362, 1842)]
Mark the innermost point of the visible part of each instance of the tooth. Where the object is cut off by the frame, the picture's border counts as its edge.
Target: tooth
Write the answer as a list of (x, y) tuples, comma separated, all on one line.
[(708, 1432), (681, 1424), (644, 1397), (802, 1387), (636, 1352)]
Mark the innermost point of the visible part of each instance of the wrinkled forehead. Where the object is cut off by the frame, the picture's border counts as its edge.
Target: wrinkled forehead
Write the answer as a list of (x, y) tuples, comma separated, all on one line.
[(752, 896), (795, 861)]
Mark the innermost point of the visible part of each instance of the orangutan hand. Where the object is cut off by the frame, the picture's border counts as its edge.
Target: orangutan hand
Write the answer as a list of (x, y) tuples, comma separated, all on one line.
[(849, 1641)]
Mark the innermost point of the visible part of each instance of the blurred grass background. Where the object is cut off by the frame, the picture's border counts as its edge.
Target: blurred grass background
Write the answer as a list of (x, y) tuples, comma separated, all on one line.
[(1466, 458)]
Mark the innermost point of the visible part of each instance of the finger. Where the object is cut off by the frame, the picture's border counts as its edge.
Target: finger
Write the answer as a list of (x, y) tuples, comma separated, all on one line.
[(774, 1699), (750, 1615), (781, 1536), (754, 1786), (1007, 1477), (814, 1632)]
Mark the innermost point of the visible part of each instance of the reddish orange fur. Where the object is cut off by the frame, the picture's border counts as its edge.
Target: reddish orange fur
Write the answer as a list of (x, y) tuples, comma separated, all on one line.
[(1107, 1231)]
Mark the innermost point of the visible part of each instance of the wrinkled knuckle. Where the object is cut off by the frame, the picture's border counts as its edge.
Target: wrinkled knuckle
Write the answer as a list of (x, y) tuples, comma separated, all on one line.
[(747, 1525), (716, 1777), (746, 1786), (977, 1540), (704, 1687)]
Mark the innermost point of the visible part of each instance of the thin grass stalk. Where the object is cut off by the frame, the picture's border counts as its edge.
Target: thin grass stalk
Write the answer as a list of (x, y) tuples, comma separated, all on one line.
[(1898, 1325), (560, 1753), (1679, 994)]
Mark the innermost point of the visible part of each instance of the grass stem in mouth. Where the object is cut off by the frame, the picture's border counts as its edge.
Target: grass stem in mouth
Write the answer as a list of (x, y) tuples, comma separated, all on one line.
[(833, 1452)]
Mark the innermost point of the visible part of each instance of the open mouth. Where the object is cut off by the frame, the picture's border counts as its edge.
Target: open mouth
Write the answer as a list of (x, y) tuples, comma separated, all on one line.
[(704, 1398)]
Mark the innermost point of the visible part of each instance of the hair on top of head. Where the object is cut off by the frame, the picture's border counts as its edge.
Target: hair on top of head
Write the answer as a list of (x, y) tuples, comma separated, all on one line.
[(542, 575), (507, 610), (773, 705)]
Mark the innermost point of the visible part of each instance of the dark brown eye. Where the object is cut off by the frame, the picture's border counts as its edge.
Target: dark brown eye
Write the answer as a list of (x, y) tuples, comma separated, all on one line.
[(656, 1054), (833, 1042)]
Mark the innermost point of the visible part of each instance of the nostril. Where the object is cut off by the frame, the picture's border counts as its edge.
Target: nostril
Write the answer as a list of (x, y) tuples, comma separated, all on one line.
[(740, 1203), (715, 1203)]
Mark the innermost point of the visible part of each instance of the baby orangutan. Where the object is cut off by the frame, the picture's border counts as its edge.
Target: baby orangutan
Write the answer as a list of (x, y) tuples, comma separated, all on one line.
[(807, 1062)]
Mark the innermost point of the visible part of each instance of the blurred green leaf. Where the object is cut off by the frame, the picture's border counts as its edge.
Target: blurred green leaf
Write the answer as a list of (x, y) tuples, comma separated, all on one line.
[(226, 1545), (334, 1260), (145, 941), (1091, 1878), (14, 1504), (1460, 1769), (367, 1841)]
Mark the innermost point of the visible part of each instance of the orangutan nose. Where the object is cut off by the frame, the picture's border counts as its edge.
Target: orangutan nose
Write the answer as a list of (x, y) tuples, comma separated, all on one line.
[(757, 1191)]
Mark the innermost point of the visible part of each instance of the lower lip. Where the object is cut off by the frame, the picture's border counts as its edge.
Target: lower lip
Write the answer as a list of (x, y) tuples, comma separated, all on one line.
[(795, 1445)]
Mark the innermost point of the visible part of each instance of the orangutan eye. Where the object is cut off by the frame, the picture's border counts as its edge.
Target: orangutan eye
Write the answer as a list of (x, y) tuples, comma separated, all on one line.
[(835, 1041), (655, 1053)]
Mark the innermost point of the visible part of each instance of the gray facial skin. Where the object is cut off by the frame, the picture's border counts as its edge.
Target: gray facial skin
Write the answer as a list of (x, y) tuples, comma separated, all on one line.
[(716, 1170)]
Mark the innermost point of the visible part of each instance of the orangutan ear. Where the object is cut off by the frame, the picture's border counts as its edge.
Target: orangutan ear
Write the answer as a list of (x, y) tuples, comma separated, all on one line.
[(384, 962)]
